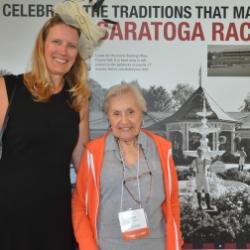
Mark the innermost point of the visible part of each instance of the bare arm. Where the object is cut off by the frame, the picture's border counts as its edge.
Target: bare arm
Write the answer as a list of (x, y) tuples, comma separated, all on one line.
[(83, 136), (3, 100)]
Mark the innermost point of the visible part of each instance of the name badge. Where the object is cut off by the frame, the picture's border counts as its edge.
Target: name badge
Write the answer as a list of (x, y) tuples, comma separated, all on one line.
[(133, 224)]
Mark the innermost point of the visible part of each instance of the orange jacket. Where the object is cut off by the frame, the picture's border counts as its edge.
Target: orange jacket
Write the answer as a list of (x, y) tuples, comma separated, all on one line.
[(85, 201)]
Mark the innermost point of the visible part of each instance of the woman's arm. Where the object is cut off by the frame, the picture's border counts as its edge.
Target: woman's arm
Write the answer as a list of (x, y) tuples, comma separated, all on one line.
[(83, 136), (3, 101)]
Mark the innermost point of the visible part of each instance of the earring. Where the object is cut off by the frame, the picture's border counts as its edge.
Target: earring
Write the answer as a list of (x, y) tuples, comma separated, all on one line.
[(142, 124)]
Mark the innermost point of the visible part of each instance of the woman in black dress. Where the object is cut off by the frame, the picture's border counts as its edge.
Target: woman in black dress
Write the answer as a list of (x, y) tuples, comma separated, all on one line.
[(46, 130)]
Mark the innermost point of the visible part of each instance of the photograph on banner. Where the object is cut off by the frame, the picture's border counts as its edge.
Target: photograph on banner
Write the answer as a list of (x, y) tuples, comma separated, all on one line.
[(228, 60), (192, 62)]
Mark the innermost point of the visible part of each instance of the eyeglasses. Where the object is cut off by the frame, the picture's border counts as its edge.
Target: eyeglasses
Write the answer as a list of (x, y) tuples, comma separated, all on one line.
[(134, 178)]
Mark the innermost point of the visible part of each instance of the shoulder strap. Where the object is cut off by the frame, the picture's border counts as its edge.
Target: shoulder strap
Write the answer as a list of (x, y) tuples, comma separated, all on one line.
[(6, 117), (10, 81)]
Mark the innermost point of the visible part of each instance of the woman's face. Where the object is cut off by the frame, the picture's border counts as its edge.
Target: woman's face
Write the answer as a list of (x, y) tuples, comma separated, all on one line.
[(125, 117), (61, 49)]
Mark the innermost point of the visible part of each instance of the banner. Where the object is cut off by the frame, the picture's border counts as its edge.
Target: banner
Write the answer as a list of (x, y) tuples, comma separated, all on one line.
[(192, 60)]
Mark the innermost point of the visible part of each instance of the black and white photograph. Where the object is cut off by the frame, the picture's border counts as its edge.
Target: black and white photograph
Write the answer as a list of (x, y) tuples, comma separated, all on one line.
[(228, 60)]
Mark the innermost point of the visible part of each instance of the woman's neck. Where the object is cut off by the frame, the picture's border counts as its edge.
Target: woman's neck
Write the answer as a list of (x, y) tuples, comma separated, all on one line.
[(129, 151), (58, 83)]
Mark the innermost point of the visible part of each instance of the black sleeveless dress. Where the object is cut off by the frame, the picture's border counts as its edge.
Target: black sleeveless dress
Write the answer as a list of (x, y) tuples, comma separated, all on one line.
[(35, 191)]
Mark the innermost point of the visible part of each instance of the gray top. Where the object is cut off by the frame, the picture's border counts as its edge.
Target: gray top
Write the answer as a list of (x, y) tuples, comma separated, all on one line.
[(111, 188)]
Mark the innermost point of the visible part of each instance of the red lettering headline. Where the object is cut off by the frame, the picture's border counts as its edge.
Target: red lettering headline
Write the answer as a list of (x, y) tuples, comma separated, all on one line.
[(183, 31)]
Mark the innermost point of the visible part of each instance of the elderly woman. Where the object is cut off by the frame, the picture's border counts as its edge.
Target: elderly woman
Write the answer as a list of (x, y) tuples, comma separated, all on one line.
[(126, 194)]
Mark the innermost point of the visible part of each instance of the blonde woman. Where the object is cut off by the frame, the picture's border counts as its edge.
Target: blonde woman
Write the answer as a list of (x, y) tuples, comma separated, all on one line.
[(46, 130)]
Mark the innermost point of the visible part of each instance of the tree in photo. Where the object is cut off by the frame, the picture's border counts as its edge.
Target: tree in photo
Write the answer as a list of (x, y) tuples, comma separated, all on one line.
[(97, 95), (180, 94), (158, 99), (246, 105), (4, 72)]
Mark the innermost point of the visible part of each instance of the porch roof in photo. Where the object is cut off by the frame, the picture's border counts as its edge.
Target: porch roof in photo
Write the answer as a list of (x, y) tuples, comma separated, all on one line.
[(243, 118), (188, 111)]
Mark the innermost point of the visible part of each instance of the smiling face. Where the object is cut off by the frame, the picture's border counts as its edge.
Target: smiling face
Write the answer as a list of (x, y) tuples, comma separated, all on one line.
[(60, 49), (125, 117)]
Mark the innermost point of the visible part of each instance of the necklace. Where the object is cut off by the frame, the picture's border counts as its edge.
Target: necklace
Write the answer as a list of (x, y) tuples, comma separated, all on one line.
[(137, 178)]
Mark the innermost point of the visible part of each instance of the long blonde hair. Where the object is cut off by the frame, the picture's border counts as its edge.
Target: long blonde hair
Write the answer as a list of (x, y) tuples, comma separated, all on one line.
[(38, 79)]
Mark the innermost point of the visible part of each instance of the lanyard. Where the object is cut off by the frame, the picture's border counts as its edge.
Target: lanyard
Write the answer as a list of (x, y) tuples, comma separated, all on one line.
[(124, 176)]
